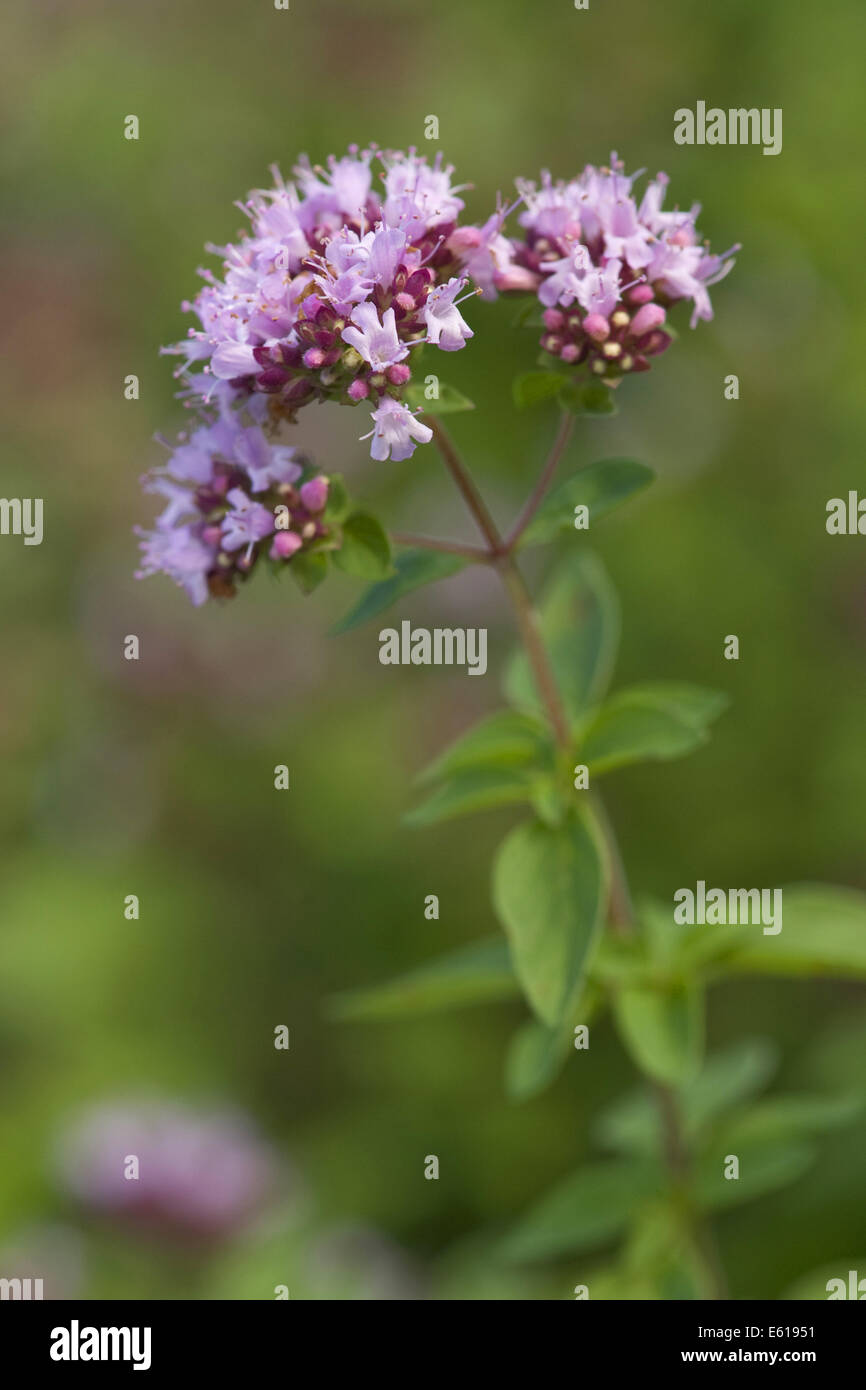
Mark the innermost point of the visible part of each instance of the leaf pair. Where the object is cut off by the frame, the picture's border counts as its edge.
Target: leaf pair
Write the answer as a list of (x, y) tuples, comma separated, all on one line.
[(772, 1140)]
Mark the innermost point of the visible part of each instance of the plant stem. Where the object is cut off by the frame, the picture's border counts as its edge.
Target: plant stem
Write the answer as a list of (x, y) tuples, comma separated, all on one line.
[(530, 632), (471, 552), (466, 485), (536, 497), (620, 909)]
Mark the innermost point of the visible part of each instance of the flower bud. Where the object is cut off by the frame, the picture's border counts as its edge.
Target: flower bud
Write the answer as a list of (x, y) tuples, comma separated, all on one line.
[(646, 319), (359, 390), (641, 294), (554, 319), (272, 380), (314, 494), (285, 544), (399, 374), (516, 277), (596, 326)]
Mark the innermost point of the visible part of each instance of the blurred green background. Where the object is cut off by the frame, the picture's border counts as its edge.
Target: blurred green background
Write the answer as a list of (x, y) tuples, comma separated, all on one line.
[(156, 777)]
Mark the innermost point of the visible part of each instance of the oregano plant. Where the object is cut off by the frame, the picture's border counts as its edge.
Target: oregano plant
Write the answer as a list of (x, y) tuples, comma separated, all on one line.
[(349, 282)]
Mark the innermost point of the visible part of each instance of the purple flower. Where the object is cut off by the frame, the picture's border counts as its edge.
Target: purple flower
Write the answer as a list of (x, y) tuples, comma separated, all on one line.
[(192, 1173), (266, 464), (246, 523), (232, 360), (396, 431), (565, 278), (376, 341), (487, 255), (180, 554), (446, 326)]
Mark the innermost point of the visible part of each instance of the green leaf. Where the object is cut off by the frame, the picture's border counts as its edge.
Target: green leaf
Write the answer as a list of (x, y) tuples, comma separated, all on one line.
[(505, 739), (530, 313), (763, 1168), (448, 402), (475, 974), (308, 570), (365, 551), (535, 1055), (728, 1078), (549, 886), (337, 505), (600, 486), (781, 1118), (631, 1124), (823, 933), (590, 1207), (591, 398), (658, 721), (579, 622), (663, 1030), (413, 568), (532, 387), (475, 789)]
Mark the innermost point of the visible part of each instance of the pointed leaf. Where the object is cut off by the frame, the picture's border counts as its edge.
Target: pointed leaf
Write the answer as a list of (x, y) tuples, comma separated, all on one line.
[(308, 570), (549, 886), (648, 721), (600, 486), (763, 1168), (473, 975), (365, 551), (535, 1056), (663, 1030), (504, 739), (413, 568), (823, 933), (587, 1209), (475, 789), (448, 401)]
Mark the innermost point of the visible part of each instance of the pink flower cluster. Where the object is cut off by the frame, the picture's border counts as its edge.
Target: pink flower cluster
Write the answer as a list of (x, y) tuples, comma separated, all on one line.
[(342, 275), (231, 495), (343, 272), (606, 267)]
